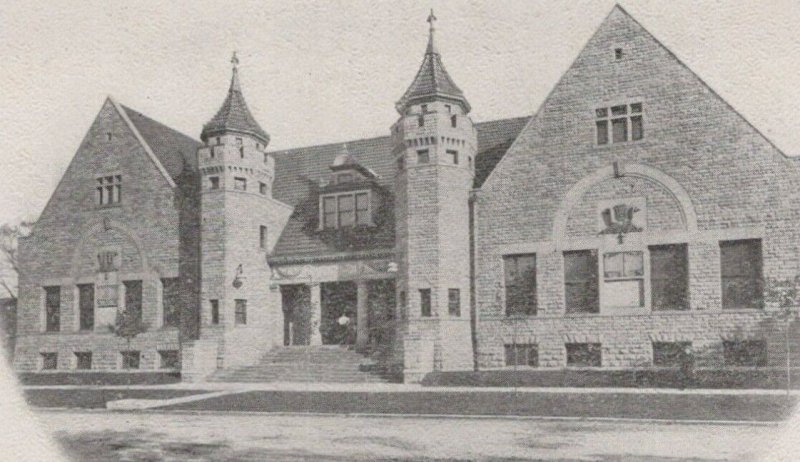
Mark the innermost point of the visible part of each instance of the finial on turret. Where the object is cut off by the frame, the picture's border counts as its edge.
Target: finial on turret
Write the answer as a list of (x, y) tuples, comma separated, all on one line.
[(235, 77), (234, 60), (432, 29)]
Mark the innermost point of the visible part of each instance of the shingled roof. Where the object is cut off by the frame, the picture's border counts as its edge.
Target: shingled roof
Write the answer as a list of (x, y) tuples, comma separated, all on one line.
[(299, 173), (172, 148), (234, 116)]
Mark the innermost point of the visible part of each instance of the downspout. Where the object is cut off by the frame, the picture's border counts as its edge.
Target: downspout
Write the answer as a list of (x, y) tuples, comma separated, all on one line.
[(473, 310)]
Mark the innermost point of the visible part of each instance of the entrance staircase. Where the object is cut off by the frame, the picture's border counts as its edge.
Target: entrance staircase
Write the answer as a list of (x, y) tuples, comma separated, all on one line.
[(326, 363)]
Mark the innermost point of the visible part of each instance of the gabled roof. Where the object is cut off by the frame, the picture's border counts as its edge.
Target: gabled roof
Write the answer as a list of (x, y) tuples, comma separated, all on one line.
[(432, 80), (300, 172), (173, 149), (234, 116)]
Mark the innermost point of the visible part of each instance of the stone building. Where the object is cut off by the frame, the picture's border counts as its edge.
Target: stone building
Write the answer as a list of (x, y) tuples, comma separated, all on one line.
[(634, 215)]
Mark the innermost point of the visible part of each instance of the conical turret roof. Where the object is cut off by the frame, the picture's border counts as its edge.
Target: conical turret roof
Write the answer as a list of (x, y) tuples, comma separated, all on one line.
[(432, 80), (234, 116)]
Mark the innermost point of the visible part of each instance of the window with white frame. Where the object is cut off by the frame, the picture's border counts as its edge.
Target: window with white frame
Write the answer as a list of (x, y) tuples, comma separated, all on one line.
[(623, 279), (345, 210), (109, 190), (619, 124)]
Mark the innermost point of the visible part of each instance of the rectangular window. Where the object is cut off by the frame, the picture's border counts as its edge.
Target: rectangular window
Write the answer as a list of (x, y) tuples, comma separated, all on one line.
[(746, 353), (421, 120), (49, 361), (262, 236), (344, 178), (169, 359), (109, 190), (423, 157), (52, 304), (214, 311), (623, 279), (453, 155), (262, 188), (580, 281), (425, 302), (239, 183), (241, 311), (669, 277), (86, 306), (740, 267), (401, 163), (520, 283), (362, 209), (213, 182), (454, 302), (171, 298), (454, 121), (347, 216), (130, 359), (133, 298), (584, 354), (625, 123), (522, 355), (83, 360), (670, 354), (329, 212)]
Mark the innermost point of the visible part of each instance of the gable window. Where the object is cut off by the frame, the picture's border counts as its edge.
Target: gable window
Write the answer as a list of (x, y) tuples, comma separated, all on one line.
[(748, 353), (83, 360), (623, 279), (49, 361), (520, 284), (86, 306), (669, 277), (171, 302), (262, 236), (425, 302), (619, 124), (670, 354), (618, 53), (584, 354), (239, 183), (346, 209), (581, 292), (130, 359), (213, 182), (454, 302), (262, 188), (241, 311), (109, 190), (517, 354), (52, 304), (453, 155), (740, 268), (214, 311), (423, 157)]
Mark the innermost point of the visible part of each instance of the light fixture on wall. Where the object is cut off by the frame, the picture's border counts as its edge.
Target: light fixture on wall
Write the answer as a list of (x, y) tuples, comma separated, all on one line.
[(237, 278)]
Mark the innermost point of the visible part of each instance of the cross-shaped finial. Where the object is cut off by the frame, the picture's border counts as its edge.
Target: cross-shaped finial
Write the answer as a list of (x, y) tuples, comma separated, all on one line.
[(431, 18), (234, 60)]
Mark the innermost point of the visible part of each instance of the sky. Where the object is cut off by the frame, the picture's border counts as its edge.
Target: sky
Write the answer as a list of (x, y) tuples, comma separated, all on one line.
[(327, 71)]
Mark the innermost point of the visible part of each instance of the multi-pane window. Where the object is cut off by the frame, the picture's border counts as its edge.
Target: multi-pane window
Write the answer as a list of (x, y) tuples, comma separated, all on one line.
[(214, 311), (740, 267), (52, 306), (423, 157), (83, 360), (169, 359), (671, 354), (619, 124), (239, 183), (343, 210), (669, 277), (517, 354), (86, 306), (109, 190), (453, 155), (213, 182), (750, 353), (241, 311), (133, 299), (171, 297), (454, 302), (520, 283), (262, 236), (584, 354), (623, 279), (130, 359), (581, 293), (425, 302), (49, 361)]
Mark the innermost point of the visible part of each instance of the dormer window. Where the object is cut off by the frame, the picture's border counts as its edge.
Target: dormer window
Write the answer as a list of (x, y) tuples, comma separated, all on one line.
[(619, 124), (343, 210)]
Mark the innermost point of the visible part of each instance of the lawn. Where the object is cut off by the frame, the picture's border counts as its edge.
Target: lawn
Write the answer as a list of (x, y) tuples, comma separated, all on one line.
[(93, 398)]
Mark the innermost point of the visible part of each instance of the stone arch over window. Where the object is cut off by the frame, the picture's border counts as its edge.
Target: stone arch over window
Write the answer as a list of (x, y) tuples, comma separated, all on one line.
[(576, 193), (92, 233)]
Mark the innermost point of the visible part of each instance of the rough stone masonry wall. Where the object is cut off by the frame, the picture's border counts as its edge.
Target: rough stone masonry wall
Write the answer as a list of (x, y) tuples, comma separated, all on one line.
[(62, 249), (731, 180)]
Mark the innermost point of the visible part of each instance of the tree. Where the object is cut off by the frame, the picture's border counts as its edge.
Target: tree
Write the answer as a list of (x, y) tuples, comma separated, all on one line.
[(785, 293), (128, 325), (9, 238)]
